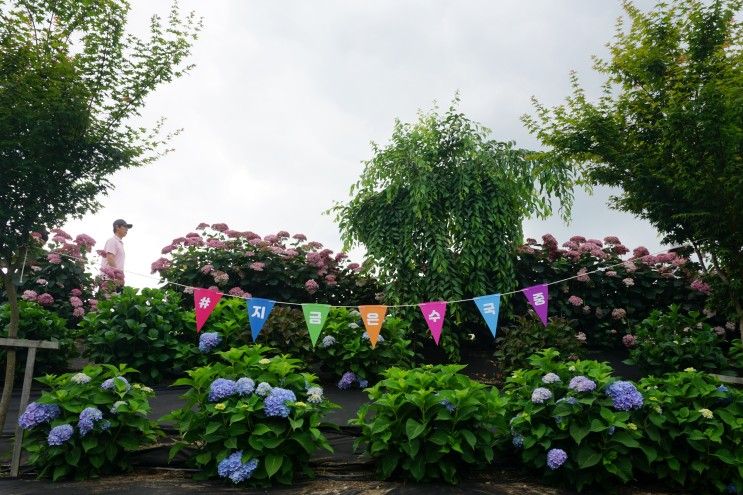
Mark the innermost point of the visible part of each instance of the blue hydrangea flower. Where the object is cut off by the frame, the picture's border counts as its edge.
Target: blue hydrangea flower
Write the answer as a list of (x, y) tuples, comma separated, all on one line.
[(245, 386), (611, 430), (80, 378), (244, 472), (314, 395), (60, 434), (109, 384), (556, 458), (87, 420), (263, 389), (550, 378), (363, 383), (380, 339), (582, 384), (518, 441), (229, 464), (105, 425), (540, 395), (36, 414), (208, 341), (722, 402), (327, 341), (275, 403), (448, 405), (346, 380), (221, 388), (624, 396)]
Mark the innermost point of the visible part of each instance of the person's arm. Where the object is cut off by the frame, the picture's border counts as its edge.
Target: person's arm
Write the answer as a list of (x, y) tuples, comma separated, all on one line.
[(111, 260)]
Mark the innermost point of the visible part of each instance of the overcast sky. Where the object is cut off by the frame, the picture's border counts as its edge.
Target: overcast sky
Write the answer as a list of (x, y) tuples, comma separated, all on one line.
[(285, 98)]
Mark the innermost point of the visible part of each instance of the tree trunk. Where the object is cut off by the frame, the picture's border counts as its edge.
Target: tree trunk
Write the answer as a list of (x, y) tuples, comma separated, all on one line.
[(12, 296)]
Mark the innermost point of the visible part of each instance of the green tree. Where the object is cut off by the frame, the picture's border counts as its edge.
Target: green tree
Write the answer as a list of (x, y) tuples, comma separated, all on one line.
[(668, 130), (72, 82), (440, 209)]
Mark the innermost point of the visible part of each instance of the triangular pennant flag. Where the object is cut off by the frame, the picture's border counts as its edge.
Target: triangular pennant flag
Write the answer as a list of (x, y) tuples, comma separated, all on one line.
[(537, 295), (258, 311), (434, 313), (489, 307), (373, 317), (204, 301), (315, 316)]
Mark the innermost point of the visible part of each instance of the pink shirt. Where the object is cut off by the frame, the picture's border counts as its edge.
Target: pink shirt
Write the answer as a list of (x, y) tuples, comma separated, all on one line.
[(115, 247)]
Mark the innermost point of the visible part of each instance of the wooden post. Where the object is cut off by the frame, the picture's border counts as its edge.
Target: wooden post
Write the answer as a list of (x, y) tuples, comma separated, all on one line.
[(31, 345)]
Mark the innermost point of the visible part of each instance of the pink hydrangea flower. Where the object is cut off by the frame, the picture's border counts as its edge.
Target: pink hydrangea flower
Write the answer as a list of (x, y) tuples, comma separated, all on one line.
[(207, 269), (311, 286), (202, 226), (256, 241), (618, 313), (220, 277), (700, 286), (340, 256), (596, 241), (188, 290), (234, 234), (37, 237), (271, 238), (167, 249), (730, 325), (581, 337), (54, 258), (85, 240), (215, 243), (640, 251), (629, 340), (76, 302), (586, 310), (570, 245), (679, 261), (575, 301), (237, 291), (525, 248), (160, 264), (649, 259), (250, 235), (330, 280), (578, 239), (194, 241), (42, 281), (257, 266), (582, 276), (78, 312), (220, 227), (193, 234), (283, 234), (291, 253), (276, 249), (61, 233), (631, 267), (29, 295), (612, 239), (178, 241), (45, 299), (93, 302), (629, 282), (621, 249), (314, 245), (76, 292), (720, 331), (354, 266), (611, 273), (214, 288), (299, 237), (531, 241)]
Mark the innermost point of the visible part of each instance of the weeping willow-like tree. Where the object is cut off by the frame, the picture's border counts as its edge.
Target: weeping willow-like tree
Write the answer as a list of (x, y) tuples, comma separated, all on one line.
[(440, 209)]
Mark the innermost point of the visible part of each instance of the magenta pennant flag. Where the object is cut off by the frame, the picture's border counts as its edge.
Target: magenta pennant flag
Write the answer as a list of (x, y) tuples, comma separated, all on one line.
[(204, 301), (537, 297), (434, 313)]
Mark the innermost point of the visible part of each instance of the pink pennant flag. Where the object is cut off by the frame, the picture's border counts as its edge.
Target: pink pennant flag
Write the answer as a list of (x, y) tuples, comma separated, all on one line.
[(204, 301), (537, 295), (434, 312)]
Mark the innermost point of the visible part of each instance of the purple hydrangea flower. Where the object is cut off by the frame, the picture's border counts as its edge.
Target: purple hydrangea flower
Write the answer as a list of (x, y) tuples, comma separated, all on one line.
[(60, 434), (582, 384), (275, 403), (109, 384), (105, 425), (363, 383), (208, 341), (346, 380), (229, 464), (244, 472), (624, 396), (550, 378), (556, 458), (245, 386), (221, 388), (263, 389), (87, 420), (36, 414), (540, 395)]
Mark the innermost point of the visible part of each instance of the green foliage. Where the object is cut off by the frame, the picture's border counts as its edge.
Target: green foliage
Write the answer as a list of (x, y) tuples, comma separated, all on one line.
[(344, 346), (439, 210), (282, 445), (696, 427), (671, 341), (273, 268), (635, 288), (667, 129), (526, 336), (601, 443), (111, 446), (735, 354), (430, 423), (37, 323), (146, 329)]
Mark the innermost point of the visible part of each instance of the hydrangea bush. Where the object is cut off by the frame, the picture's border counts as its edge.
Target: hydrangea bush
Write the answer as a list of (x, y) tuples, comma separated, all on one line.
[(251, 417), (574, 422), (88, 424), (146, 329), (344, 347), (430, 423), (671, 341), (695, 425), (37, 323), (605, 304), (277, 266)]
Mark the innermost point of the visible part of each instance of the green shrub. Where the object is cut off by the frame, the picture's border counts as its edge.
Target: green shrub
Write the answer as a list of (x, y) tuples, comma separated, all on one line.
[(526, 336), (555, 412), (344, 346), (671, 341), (260, 406), (147, 330), (735, 354), (97, 441), (696, 428), (37, 323), (430, 423)]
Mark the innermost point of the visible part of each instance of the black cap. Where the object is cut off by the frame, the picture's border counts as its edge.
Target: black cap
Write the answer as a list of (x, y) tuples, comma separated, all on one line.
[(122, 223)]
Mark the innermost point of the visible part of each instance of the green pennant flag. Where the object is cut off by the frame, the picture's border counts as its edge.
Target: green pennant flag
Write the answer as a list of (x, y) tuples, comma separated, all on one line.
[(315, 316)]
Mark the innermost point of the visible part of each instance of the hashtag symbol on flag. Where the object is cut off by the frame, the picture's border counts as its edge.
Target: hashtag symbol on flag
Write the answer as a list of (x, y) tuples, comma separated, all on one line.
[(204, 302)]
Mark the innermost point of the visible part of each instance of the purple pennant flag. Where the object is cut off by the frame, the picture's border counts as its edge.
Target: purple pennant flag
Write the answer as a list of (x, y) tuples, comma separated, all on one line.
[(537, 297), (434, 313)]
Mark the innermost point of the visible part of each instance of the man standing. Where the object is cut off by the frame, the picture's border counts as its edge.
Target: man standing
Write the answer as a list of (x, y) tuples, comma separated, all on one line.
[(115, 249)]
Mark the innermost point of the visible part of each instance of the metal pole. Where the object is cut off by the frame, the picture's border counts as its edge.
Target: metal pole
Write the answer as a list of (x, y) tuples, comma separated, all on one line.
[(25, 392)]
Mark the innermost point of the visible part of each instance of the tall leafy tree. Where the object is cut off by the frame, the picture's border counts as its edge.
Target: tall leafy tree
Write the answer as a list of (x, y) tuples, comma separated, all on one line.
[(440, 209), (72, 82), (668, 130)]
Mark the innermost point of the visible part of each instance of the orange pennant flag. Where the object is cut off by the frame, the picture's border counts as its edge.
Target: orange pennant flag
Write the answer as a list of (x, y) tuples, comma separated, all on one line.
[(373, 317)]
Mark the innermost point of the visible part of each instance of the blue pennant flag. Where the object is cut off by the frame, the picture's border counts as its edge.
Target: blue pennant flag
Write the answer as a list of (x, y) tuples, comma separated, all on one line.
[(489, 307), (258, 311)]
